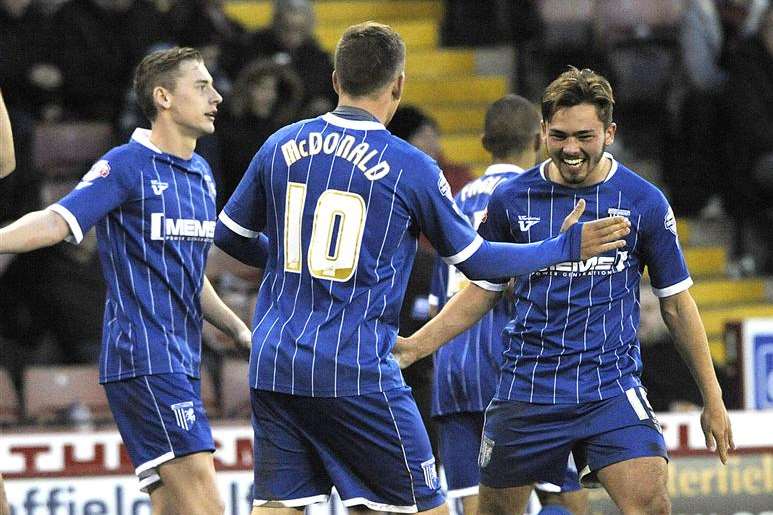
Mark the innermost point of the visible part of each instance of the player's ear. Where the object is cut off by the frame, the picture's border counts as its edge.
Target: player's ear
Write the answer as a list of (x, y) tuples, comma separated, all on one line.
[(537, 145), (609, 133), (161, 97), (336, 84), (397, 86)]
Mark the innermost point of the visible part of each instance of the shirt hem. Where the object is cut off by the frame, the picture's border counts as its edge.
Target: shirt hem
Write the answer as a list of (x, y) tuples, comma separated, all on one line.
[(340, 392), (140, 373)]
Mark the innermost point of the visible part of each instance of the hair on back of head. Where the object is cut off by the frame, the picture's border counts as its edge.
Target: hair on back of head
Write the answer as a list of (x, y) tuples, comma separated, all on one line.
[(575, 87), (511, 124), (160, 68), (368, 57)]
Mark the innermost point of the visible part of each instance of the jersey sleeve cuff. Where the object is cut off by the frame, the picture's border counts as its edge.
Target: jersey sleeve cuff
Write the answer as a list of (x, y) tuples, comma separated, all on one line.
[(466, 252), (235, 227), (673, 289), (76, 234), (486, 285)]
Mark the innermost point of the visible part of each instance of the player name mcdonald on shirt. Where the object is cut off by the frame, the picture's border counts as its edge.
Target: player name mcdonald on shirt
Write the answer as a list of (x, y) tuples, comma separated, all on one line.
[(342, 146)]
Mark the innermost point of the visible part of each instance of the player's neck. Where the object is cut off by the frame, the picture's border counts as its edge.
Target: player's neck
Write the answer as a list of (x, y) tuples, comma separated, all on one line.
[(375, 106), (524, 160), (171, 139)]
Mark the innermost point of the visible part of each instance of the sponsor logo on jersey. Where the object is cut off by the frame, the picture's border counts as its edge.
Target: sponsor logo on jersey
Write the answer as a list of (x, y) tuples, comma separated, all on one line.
[(185, 414), (360, 155), (670, 221), (613, 211), (486, 448), (597, 265), (158, 186), (527, 222), (162, 228), (430, 474), (99, 170)]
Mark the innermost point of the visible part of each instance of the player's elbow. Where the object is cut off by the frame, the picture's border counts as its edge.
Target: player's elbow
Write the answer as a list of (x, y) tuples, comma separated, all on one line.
[(223, 238)]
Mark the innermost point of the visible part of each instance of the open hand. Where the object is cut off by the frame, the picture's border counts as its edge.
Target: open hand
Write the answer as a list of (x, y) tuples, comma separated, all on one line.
[(717, 430), (598, 236)]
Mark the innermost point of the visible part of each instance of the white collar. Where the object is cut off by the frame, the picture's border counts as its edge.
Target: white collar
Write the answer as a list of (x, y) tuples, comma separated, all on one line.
[(142, 136), (612, 170), (503, 168), (361, 125)]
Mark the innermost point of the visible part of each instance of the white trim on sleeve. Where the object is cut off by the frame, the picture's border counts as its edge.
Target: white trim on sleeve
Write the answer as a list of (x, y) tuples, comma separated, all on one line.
[(235, 227), (673, 289), (76, 234), (466, 252), (486, 285)]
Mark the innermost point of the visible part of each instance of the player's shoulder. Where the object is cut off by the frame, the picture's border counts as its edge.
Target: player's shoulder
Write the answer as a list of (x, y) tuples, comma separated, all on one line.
[(517, 183), (287, 132), (406, 152), (634, 186)]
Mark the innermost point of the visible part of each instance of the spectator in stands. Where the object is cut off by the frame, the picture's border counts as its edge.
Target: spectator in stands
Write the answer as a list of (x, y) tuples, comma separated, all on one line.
[(289, 40), (266, 96), (748, 136), (421, 130), (99, 42)]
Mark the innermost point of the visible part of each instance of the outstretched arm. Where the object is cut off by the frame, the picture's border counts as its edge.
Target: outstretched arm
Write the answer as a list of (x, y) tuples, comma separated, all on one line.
[(251, 251), (33, 231), (7, 155), (462, 311), (218, 314), (684, 322)]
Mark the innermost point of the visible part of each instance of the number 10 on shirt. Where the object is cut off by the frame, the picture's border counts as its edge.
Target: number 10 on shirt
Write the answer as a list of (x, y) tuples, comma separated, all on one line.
[(336, 234)]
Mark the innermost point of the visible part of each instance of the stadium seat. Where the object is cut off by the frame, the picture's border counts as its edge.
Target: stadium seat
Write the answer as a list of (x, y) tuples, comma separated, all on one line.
[(236, 393), (50, 390), (9, 400), (68, 149)]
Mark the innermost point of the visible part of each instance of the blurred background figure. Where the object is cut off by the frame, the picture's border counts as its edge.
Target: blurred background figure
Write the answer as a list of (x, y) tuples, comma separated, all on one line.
[(289, 40), (265, 97)]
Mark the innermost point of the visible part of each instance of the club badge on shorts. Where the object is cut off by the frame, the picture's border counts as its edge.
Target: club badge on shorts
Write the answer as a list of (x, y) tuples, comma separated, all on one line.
[(486, 447), (185, 414), (430, 474)]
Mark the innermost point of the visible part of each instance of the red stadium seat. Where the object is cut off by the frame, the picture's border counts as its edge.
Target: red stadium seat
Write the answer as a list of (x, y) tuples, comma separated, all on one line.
[(50, 390), (236, 392), (68, 149), (9, 399)]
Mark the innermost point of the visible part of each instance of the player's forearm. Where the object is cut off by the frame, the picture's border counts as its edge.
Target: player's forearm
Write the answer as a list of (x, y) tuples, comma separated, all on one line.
[(218, 314), (462, 312), (7, 155), (683, 320), (495, 260), (33, 231)]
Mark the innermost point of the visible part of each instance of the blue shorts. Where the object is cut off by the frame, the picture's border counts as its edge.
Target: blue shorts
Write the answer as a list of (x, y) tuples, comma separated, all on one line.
[(459, 437), (524, 443), (373, 448), (160, 417)]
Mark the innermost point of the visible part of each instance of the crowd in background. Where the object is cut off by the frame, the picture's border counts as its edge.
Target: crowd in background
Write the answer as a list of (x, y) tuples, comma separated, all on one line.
[(694, 93)]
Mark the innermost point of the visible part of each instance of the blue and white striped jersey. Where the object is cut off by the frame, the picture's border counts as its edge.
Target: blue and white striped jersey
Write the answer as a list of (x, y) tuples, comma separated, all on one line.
[(155, 219), (342, 202), (467, 367), (573, 335)]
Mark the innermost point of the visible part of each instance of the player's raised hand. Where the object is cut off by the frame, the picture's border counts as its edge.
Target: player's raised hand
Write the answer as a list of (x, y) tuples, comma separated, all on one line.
[(405, 351), (717, 430), (598, 236)]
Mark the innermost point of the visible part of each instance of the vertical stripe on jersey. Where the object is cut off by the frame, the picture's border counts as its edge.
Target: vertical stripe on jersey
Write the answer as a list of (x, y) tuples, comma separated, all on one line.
[(566, 323), (547, 305), (180, 252), (196, 286), (631, 342), (620, 336), (276, 276), (604, 317), (166, 272), (131, 272), (354, 284), (378, 277), (297, 289), (120, 300)]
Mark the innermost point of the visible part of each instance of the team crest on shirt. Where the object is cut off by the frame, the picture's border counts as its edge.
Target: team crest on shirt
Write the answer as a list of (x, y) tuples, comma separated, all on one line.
[(527, 222), (210, 186), (430, 474), (99, 170), (158, 186), (185, 414), (613, 211), (486, 448)]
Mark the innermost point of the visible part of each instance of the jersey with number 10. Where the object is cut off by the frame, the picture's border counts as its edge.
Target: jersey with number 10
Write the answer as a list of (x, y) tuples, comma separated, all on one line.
[(341, 202), (467, 367), (573, 335)]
